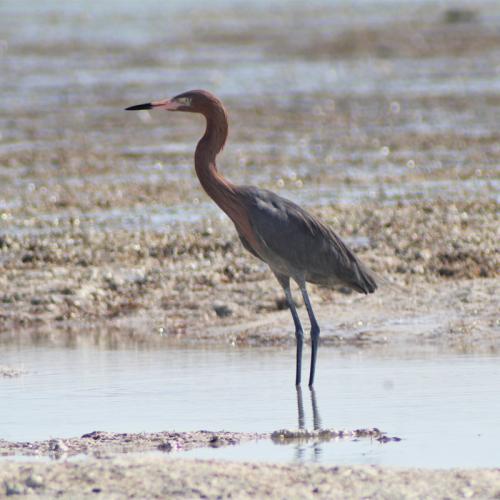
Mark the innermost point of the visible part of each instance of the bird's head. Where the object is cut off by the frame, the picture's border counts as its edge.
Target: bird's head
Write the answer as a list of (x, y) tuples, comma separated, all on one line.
[(192, 101)]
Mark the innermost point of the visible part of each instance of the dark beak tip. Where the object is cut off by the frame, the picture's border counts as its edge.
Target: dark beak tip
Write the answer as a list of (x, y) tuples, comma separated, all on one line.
[(139, 106)]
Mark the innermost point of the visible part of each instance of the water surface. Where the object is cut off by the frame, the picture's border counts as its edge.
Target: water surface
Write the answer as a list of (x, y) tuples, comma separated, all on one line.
[(444, 407)]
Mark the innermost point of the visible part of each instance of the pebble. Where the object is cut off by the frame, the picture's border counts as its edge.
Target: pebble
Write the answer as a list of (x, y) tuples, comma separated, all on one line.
[(223, 310), (12, 488), (6, 371), (467, 492), (166, 446), (370, 472), (35, 481), (57, 445)]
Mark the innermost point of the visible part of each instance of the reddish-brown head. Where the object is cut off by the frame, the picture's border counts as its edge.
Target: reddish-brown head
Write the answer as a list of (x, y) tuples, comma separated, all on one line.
[(193, 101)]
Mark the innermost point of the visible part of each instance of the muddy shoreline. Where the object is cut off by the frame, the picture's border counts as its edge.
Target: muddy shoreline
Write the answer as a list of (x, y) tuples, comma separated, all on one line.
[(116, 465), (123, 477), (101, 444), (202, 285), (104, 444)]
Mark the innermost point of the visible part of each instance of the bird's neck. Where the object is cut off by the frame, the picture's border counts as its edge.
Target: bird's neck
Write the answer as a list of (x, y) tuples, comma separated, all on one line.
[(221, 190), (228, 196)]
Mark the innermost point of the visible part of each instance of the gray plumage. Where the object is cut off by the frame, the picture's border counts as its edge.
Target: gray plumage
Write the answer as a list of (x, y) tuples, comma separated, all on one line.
[(301, 246)]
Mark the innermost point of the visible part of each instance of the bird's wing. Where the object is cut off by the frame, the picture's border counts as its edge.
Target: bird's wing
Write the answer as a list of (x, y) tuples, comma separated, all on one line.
[(304, 242), (248, 247)]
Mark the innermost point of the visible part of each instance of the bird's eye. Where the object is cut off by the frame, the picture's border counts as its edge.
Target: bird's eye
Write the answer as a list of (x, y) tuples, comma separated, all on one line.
[(185, 101)]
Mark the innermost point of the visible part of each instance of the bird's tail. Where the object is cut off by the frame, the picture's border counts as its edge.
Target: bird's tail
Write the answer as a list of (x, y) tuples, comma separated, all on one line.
[(369, 281), (366, 280)]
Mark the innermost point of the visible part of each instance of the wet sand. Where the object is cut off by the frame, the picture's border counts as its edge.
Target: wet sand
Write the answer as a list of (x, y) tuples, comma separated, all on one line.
[(124, 477), (100, 444), (383, 123), (103, 444), (104, 225), (201, 285)]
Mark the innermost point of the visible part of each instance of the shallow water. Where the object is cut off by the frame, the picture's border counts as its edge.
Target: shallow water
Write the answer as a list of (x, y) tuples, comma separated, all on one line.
[(444, 407)]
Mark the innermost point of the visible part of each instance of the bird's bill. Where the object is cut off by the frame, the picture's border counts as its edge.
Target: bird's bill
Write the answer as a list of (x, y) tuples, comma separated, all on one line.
[(167, 104)]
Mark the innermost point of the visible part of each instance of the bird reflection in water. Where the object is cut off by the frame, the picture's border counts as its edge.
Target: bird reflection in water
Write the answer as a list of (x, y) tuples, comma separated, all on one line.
[(301, 447)]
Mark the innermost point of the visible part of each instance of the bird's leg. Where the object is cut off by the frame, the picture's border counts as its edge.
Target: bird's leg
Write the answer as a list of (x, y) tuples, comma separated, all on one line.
[(314, 332), (299, 334)]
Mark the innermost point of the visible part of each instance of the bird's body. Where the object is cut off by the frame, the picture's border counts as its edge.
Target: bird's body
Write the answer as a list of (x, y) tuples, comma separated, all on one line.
[(306, 249), (293, 242)]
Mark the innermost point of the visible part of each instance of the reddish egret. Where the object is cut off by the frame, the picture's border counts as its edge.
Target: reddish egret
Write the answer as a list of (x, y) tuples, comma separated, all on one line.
[(294, 243)]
